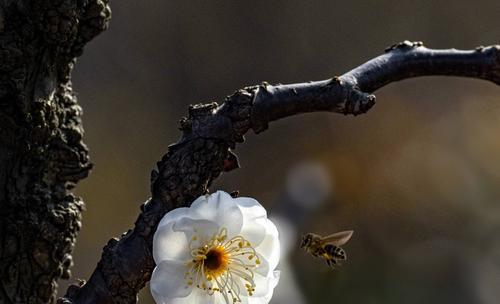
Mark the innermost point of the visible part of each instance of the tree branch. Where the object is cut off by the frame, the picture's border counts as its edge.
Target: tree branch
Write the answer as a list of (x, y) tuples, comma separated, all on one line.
[(351, 92), (210, 132)]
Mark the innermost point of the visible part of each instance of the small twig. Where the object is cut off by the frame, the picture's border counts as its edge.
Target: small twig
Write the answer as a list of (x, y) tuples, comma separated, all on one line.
[(210, 131), (351, 92)]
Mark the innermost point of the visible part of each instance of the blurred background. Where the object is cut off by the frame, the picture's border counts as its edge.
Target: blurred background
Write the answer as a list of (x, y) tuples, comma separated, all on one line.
[(417, 178)]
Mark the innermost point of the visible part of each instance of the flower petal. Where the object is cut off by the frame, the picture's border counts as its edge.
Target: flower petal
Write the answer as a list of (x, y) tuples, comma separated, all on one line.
[(263, 268), (167, 281), (254, 215), (198, 296), (272, 281), (250, 207), (202, 229), (254, 231), (170, 245), (218, 207), (269, 249), (264, 289), (173, 215)]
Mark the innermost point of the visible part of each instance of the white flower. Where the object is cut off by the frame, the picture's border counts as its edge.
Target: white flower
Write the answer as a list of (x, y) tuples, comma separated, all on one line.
[(219, 250)]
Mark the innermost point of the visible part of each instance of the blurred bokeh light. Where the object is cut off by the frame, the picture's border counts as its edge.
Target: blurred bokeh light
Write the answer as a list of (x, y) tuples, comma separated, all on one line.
[(417, 178)]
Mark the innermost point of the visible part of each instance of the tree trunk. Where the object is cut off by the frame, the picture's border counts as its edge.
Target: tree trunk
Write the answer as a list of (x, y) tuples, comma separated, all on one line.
[(42, 155)]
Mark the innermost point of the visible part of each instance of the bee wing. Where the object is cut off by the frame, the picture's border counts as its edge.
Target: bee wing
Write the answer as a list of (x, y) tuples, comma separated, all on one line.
[(339, 238)]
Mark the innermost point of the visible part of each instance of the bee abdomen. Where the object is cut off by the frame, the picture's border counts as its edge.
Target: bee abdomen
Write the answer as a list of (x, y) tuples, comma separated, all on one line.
[(336, 252)]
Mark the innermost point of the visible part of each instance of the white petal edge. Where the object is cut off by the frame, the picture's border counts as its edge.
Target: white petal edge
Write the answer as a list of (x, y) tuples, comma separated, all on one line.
[(274, 280), (254, 215), (269, 249), (198, 296), (170, 245), (173, 215), (218, 207), (251, 207), (264, 297), (167, 281)]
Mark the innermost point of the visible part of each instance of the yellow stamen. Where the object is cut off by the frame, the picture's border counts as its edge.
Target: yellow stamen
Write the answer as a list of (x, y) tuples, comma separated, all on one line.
[(217, 263)]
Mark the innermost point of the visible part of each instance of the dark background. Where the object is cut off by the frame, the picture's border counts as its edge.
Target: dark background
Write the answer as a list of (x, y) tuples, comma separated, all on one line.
[(417, 177)]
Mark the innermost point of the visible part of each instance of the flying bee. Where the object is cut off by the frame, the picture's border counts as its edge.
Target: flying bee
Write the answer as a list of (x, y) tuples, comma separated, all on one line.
[(328, 247)]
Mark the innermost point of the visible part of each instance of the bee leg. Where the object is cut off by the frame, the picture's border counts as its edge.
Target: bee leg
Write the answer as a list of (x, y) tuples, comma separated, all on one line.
[(331, 263)]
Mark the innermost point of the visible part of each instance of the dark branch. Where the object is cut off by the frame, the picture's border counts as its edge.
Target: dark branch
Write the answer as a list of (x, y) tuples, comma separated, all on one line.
[(406, 60), (351, 92), (210, 131)]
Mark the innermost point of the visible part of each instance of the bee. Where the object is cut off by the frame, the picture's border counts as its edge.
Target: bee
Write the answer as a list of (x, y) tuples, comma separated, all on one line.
[(328, 247)]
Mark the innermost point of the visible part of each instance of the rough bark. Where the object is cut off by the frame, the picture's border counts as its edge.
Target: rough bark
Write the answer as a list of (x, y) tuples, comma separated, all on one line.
[(42, 155), (211, 131)]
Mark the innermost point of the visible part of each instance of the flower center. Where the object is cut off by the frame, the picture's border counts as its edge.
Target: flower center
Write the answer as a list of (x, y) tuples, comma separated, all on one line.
[(216, 261), (222, 265)]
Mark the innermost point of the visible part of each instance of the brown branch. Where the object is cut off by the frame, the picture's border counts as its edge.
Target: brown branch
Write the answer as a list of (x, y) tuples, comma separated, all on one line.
[(210, 132)]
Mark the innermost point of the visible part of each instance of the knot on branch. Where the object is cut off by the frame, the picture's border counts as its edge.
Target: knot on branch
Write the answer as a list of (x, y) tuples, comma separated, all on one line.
[(238, 107), (203, 121), (352, 99), (228, 122), (494, 52), (261, 111), (404, 45), (358, 102)]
